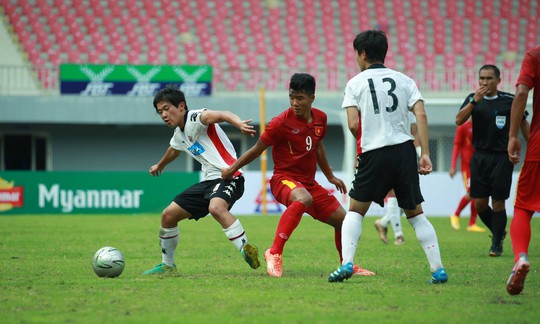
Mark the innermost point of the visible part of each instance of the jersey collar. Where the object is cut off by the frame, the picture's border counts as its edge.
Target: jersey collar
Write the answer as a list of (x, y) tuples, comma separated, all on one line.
[(185, 120), (376, 66)]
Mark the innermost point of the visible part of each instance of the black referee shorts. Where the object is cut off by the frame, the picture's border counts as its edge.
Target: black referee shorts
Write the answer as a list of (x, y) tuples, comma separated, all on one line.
[(196, 198), (491, 175), (390, 167)]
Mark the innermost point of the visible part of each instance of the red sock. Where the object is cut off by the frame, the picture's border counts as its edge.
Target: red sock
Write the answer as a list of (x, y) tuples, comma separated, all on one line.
[(520, 231), (474, 214), (287, 223), (464, 201), (337, 241)]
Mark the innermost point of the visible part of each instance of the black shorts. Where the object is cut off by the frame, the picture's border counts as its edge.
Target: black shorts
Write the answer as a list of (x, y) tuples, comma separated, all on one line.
[(196, 199), (390, 167), (491, 175)]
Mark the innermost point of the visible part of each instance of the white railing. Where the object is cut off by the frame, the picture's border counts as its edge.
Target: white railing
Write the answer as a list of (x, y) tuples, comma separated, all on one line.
[(44, 80)]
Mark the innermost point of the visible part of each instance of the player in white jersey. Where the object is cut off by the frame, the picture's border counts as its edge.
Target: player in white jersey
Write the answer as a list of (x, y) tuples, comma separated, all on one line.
[(197, 132), (383, 98)]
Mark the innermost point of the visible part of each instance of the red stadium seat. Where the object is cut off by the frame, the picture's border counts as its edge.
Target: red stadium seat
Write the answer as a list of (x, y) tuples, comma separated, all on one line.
[(253, 34)]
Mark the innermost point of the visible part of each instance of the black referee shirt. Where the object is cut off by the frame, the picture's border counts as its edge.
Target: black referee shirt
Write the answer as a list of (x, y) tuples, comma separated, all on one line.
[(491, 122)]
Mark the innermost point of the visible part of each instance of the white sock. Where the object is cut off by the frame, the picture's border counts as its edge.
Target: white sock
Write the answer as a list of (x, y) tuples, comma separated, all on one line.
[(385, 220), (168, 238), (351, 231), (425, 233), (236, 234), (394, 216)]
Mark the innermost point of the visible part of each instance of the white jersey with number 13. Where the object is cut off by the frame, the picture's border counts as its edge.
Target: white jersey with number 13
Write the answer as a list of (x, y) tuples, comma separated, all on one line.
[(384, 98)]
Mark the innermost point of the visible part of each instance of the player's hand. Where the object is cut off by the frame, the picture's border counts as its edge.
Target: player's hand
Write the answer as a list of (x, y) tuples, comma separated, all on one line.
[(340, 185), (227, 173), (245, 128), (452, 172), (155, 170), (424, 165), (514, 149)]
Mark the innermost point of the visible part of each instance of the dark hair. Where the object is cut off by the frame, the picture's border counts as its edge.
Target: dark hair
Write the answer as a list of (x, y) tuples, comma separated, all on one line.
[(170, 94), (302, 82), (491, 67), (374, 43)]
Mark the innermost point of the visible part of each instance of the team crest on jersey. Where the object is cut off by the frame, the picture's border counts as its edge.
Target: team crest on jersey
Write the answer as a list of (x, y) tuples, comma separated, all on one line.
[(196, 149), (318, 130), (500, 121)]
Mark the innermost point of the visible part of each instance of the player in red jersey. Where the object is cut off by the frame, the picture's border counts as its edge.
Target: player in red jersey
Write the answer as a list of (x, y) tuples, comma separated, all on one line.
[(463, 146), (527, 196), (296, 137)]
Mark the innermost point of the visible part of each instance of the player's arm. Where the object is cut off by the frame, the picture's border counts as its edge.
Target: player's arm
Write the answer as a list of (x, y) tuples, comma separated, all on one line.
[(458, 142), (516, 121), (353, 119), (325, 167), (215, 116), (425, 166), (169, 156), (246, 158)]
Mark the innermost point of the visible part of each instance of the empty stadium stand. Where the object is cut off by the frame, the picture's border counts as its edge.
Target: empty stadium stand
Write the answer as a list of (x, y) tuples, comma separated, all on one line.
[(254, 43)]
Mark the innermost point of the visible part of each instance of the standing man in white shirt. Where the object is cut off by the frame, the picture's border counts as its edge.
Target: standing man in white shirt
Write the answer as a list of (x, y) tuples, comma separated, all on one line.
[(382, 98)]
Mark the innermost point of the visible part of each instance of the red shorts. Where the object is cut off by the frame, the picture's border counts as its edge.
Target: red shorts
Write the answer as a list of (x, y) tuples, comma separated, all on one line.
[(466, 174), (324, 203), (527, 192)]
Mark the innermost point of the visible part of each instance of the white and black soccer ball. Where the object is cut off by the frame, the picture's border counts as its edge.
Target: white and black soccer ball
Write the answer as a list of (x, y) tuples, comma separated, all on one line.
[(108, 262)]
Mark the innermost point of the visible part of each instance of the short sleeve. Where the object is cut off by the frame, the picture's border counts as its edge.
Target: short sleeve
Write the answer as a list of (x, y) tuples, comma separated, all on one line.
[(350, 96), (415, 94), (272, 132), (175, 141)]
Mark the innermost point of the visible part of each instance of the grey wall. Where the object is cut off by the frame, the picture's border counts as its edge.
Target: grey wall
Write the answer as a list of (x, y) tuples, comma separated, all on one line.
[(125, 133)]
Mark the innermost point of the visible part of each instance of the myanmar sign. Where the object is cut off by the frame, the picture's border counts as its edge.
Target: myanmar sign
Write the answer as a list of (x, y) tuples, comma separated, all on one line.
[(89, 192), (134, 80)]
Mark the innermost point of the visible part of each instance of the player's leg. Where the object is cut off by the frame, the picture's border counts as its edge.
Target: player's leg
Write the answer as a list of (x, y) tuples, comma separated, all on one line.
[(394, 217), (407, 189), (527, 201), (325, 204), (297, 199), (222, 198), (351, 231), (427, 237), (502, 175), (169, 237), (454, 218), (371, 183), (520, 233), (499, 222)]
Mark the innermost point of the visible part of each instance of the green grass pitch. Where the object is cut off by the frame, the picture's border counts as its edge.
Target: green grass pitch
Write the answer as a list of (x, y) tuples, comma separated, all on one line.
[(46, 275)]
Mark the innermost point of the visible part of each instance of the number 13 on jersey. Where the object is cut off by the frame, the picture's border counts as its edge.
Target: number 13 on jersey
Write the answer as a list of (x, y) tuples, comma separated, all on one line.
[(376, 86)]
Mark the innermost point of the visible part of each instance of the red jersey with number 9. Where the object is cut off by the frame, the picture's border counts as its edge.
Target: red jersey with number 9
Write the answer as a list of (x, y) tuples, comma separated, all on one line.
[(294, 143)]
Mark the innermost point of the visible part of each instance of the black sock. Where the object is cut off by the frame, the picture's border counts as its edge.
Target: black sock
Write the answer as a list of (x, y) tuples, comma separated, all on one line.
[(499, 225), (487, 218)]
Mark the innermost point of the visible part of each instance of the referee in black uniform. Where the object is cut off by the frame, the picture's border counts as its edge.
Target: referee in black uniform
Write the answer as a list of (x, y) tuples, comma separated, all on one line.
[(491, 171)]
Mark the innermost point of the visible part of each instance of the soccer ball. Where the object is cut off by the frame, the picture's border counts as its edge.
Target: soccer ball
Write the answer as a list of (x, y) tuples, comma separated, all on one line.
[(108, 262)]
